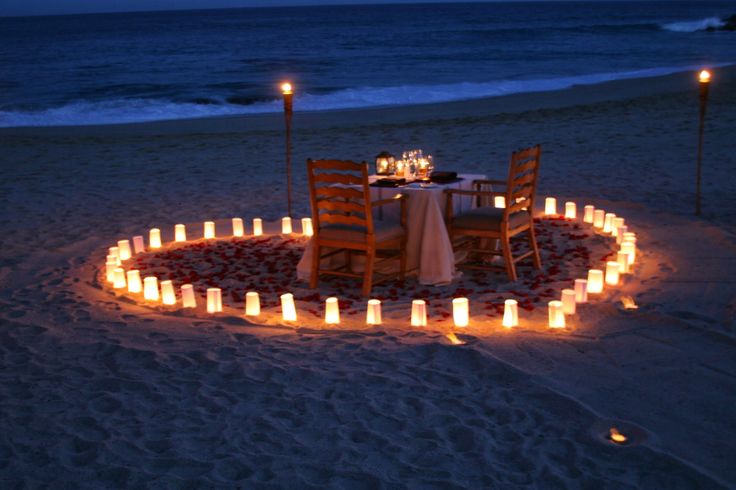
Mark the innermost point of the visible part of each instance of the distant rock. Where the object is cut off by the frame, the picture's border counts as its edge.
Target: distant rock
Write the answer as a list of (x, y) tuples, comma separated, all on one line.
[(729, 24)]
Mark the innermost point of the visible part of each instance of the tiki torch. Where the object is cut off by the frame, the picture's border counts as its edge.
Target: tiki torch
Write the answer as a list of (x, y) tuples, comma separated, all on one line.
[(704, 79), (287, 91)]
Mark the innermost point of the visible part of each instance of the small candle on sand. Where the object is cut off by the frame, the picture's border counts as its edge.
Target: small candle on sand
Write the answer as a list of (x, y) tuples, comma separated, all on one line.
[(180, 233), (568, 301), (168, 297), (556, 315), (373, 314), (460, 312), (595, 281), (134, 281), (510, 313), (581, 291), (209, 229), (257, 227), (286, 226), (238, 230), (252, 304), (288, 308), (124, 246), (138, 245), (550, 206), (599, 217), (214, 300), (154, 238), (571, 211), (188, 299), (588, 214), (307, 229), (418, 313), (332, 311), (150, 288)]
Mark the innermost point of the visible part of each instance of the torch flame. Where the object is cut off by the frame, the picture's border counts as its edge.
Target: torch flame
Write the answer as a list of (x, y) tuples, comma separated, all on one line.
[(286, 88), (616, 436), (453, 339), (629, 303), (704, 76)]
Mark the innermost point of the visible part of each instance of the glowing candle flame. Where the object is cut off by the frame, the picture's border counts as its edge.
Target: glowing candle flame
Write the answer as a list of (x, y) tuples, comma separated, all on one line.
[(286, 88), (453, 339), (704, 76), (616, 436)]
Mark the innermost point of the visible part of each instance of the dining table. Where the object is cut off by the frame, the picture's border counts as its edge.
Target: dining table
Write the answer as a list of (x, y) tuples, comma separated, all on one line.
[(430, 255)]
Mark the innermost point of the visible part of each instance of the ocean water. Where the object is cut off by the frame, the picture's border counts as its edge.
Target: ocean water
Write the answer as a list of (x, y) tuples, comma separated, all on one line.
[(114, 68)]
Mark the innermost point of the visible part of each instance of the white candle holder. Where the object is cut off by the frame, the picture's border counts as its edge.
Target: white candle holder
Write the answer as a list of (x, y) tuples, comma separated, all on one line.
[(550, 206), (622, 230), (257, 227), (623, 262), (373, 313), (124, 247), (307, 229), (588, 214), (238, 229), (332, 311), (581, 290), (209, 230), (286, 226), (188, 298), (418, 313), (214, 300), (134, 281), (595, 281), (460, 312), (556, 314), (571, 211), (288, 308), (115, 252), (599, 217), (110, 266), (568, 299), (180, 233), (168, 296), (252, 304), (510, 313), (118, 281), (154, 238), (150, 288), (617, 223), (612, 273), (499, 202), (608, 222), (630, 249), (138, 245)]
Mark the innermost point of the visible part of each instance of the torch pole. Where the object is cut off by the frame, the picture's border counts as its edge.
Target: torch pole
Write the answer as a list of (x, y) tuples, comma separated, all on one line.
[(288, 109), (704, 85)]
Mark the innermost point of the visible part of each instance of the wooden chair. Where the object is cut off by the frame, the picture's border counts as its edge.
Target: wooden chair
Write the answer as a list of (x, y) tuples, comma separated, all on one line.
[(343, 221), (488, 222)]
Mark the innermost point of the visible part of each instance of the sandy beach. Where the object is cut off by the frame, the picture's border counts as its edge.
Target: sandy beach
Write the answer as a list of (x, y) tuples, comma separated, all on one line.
[(99, 392)]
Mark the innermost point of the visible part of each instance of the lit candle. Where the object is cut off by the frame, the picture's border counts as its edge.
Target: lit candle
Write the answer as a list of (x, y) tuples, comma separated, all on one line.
[(238, 227), (110, 267), (134, 281), (612, 273), (581, 290), (571, 211), (115, 252), (209, 229), (138, 245), (510, 313), (124, 246), (115, 259), (568, 301), (118, 278), (615, 225), (620, 234), (288, 309), (180, 233), (616, 436), (595, 281), (460, 313), (599, 216), (286, 226), (332, 311), (257, 227), (307, 229), (418, 313), (214, 300), (608, 222), (252, 304), (373, 314), (623, 262), (188, 299), (550, 206), (630, 249), (499, 202), (556, 314), (154, 238), (588, 213), (168, 297), (150, 288)]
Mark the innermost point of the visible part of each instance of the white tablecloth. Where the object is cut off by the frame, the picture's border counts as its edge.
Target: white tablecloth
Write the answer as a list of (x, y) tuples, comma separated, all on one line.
[(429, 250)]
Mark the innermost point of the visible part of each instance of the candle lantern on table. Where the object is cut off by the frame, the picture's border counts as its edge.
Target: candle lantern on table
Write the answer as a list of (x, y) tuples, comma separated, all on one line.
[(704, 79), (385, 163), (287, 90)]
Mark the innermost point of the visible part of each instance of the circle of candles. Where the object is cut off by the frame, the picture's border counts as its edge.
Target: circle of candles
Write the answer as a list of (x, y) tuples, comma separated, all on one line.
[(134, 281), (124, 246), (595, 281), (599, 217), (568, 301), (180, 233), (630, 249), (617, 223), (556, 314), (150, 288), (373, 314), (418, 313), (288, 309), (286, 226), (209, 229), (612, 273), (499, 202), (571, 211), (510, 313), (110, 267), (460, 312), (332, 311), (114, 251), (252, 304), (620, 234), (118, 278), (154, 238), (588, 213), (238, 227), (188, 299), (608, 222), (550, 206), (257, 227), (581, 290), (623, 262), (214, 300), (138, 245), (307, 229), (168, 297)]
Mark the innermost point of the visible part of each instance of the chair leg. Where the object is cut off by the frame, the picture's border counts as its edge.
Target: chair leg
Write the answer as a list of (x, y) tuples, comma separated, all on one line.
[(533, 244), (315, 266), (368, 274), (402, 259), (507, 257)]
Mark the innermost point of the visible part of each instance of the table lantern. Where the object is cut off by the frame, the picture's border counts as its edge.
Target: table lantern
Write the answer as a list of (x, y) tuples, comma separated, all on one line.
[(385, 163)]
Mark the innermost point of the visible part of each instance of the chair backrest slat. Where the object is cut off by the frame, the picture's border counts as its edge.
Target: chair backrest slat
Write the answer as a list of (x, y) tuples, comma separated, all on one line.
[(522, 181)]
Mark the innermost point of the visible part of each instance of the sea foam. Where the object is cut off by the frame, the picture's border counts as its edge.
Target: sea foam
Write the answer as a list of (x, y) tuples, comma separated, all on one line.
[(694, 25)]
